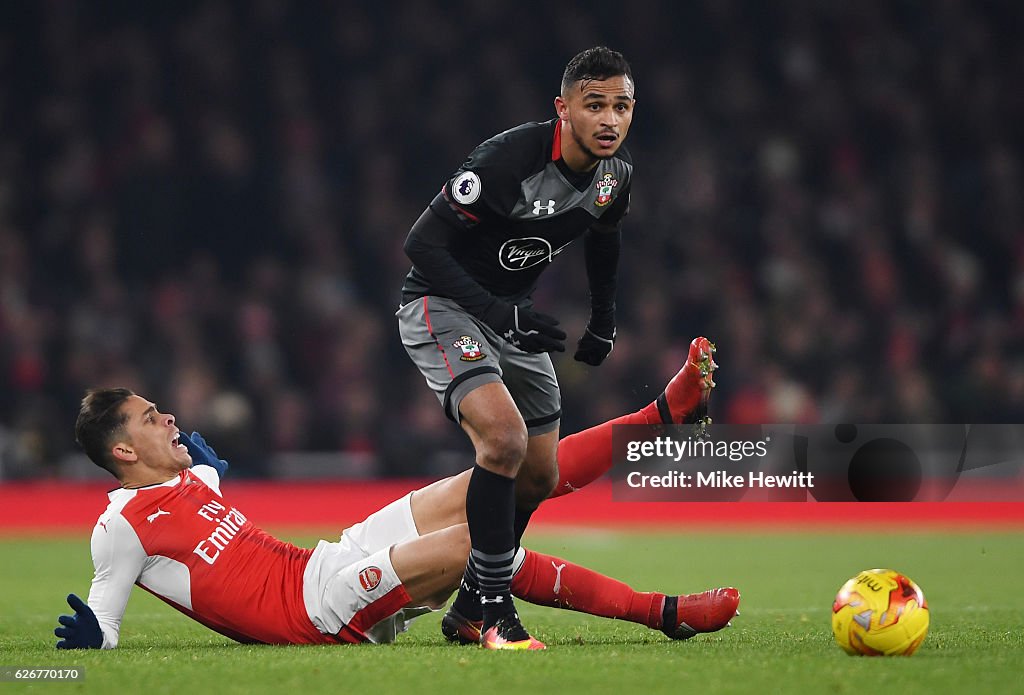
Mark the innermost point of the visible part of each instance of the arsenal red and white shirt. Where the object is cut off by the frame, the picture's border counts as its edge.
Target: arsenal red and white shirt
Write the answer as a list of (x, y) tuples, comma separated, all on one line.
[(184, 543)]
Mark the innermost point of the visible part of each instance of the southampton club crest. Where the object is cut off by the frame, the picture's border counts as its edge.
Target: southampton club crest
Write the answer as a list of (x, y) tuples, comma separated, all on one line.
[(471, 350), (605, 185)]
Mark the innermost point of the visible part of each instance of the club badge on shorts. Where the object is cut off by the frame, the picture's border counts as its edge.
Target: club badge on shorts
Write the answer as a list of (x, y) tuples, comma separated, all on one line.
[(369, 578), (471, 350), (605, 185)]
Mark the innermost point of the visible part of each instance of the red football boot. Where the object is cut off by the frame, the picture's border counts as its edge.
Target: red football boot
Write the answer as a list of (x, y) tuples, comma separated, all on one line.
[(709, 611), (685, 399)]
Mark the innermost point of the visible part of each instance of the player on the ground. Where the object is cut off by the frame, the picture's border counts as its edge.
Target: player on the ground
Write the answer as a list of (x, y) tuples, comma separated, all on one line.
[(467, 318), (169, 530)]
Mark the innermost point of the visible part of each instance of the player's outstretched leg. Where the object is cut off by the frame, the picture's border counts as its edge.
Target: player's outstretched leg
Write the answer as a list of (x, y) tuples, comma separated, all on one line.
[(551, 581), (709, 611), (586, 456), (545, 580)]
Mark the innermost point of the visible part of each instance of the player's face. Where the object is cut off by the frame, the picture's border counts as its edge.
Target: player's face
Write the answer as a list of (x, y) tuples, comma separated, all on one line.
[(598, 114), (152, 439)]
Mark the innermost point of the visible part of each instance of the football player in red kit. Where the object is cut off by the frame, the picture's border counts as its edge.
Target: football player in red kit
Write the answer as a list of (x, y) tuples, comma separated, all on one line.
[(169, 530)]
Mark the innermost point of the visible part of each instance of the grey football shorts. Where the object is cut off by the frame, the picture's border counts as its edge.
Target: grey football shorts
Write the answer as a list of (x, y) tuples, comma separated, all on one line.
[(457, 353)]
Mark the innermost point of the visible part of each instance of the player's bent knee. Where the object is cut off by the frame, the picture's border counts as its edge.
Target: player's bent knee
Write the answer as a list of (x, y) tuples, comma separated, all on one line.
[(502, 450)]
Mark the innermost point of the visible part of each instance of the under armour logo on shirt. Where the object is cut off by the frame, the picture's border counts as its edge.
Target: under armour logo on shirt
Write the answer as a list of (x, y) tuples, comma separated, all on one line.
[(549, 208)]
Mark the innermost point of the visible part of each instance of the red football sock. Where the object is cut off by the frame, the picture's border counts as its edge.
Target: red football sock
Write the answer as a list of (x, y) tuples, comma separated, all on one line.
[(586, 456), (551, 581)]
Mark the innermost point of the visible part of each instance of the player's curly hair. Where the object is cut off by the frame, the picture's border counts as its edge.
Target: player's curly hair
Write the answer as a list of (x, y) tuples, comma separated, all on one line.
[(597, 63), (100, 420)]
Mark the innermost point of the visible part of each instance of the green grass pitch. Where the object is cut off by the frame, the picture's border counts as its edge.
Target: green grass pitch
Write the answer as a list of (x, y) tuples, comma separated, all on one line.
[(781, 642)]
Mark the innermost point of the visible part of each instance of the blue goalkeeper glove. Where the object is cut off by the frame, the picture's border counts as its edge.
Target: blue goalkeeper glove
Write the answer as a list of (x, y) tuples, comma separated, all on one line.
[(202, 453), (81, 630)]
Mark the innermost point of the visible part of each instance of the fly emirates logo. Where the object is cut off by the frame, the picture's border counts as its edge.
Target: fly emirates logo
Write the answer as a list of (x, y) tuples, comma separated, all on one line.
[(229, 523)]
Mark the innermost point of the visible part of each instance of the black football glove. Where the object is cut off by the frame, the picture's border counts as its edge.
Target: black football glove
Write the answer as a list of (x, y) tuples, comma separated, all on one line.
[(597, 342), (525, 329)]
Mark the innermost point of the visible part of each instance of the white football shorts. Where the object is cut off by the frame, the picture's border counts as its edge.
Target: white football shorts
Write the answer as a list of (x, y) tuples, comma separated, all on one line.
[(350, 587)]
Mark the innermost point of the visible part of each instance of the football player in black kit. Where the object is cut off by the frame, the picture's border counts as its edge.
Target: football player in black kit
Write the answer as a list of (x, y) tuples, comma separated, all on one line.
[(468, 321)]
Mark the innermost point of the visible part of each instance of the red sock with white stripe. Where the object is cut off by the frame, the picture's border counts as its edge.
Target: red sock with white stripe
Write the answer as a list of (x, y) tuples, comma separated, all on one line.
[(551, 581), (586, 456)]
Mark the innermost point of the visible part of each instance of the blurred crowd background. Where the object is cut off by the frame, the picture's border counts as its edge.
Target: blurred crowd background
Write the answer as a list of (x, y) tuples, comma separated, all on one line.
[(207, 201)]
